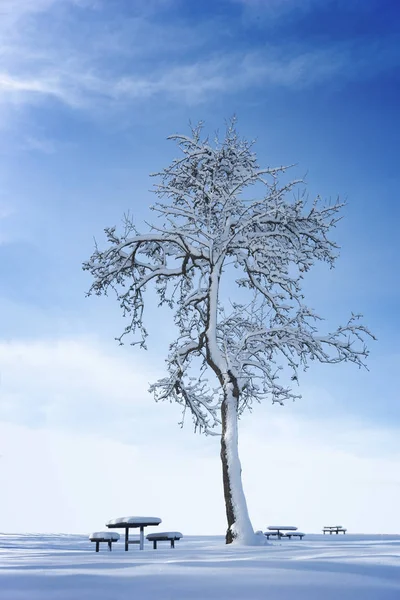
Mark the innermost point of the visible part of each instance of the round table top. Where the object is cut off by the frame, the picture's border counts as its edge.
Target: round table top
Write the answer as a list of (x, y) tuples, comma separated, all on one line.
[(282, 528), (128, 522)]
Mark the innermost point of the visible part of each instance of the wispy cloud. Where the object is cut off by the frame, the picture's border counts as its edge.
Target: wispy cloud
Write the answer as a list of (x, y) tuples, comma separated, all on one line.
[(276, 7), (58, 471), (69, 383), (195, 82), (5, 212), (73, 406), (52, 55), (273, 9), (36, 144)]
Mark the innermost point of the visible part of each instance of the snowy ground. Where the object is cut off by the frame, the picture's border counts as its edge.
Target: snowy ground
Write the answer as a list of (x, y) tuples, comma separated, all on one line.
[(55, 567)]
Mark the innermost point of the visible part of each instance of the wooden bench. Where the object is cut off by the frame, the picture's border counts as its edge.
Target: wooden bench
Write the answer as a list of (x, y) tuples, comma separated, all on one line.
[(295, 534), (104, 536), (334, 529), (164, 536)]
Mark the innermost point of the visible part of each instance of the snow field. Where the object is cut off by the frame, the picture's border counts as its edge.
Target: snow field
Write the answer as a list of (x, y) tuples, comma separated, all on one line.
[(65, 567)]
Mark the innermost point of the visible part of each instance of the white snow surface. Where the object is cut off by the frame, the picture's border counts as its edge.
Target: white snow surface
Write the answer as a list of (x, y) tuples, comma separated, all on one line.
[(61, 567), (125, 520)]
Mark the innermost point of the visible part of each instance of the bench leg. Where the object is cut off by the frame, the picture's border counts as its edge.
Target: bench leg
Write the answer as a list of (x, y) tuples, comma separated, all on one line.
[(97, 546), (172, 543), (141, 545), (126, 539), (109, 545), (154, 544)]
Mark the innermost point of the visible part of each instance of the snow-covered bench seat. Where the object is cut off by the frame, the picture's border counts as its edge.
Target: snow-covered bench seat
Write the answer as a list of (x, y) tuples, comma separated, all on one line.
[(273, 533), (295, 534), (104, 536), (164, 536)]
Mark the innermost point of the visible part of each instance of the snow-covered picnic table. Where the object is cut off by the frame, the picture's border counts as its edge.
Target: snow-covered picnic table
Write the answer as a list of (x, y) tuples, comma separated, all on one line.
[(278, 530), (334, 529), (131, 523)]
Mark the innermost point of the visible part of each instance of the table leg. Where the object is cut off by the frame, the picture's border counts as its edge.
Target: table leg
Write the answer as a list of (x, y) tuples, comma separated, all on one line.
[(141, 546), (126, 538)]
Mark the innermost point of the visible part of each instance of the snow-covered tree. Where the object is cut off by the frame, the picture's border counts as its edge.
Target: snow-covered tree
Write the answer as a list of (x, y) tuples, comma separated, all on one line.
[(207, 232)]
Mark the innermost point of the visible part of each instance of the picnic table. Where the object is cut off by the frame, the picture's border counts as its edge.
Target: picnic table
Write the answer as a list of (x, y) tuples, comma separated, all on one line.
[(279, 530), (128, 523), (333, 529)]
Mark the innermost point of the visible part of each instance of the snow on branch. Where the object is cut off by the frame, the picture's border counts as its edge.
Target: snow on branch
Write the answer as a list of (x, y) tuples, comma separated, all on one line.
[(206, 231)]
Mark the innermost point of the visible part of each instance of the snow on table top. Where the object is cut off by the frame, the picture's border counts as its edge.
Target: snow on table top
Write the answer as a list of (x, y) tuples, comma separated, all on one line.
[(105, 535), (333, 527), (134, 521), (168, 534), (282, 527)]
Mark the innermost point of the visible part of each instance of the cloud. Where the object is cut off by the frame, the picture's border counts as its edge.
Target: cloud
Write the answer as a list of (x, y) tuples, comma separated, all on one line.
[(196, 82), (19, 88), (275, 9), (76, 482), (74, 412), (72, 384), (294, 471), (5, 212), (14, 10), (53, 54), (325, 469), (36, 144)]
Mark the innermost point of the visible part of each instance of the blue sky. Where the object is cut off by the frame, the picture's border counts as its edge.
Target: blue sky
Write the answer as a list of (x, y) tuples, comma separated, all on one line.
[(89, 91)]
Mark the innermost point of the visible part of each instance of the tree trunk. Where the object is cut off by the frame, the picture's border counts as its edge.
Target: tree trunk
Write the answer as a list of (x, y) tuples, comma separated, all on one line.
[(239, 524)]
